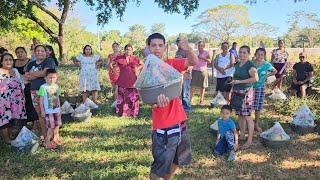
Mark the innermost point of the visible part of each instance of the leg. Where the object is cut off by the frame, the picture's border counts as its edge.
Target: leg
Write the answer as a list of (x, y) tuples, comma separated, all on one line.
[(202, 91), (257, 120), (56, 136), (173, 169), (95, 96), (84, 96), (48, 139), (42, 121), (186, 95), (192, 89), (250, 122), (34, 126), (154, 177), (303, 92), (5, 135), (242, 124), (221, 147)]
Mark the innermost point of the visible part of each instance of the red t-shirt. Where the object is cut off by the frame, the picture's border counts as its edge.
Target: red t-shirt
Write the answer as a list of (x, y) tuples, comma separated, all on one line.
[(127, 75), (173, 113)]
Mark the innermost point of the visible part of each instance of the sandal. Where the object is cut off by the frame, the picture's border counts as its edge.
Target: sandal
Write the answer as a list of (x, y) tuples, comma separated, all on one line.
[(258, 129), (51, 146)]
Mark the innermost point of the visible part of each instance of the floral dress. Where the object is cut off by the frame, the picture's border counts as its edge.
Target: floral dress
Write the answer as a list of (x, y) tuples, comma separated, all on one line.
[(11, 99), (89, 79)]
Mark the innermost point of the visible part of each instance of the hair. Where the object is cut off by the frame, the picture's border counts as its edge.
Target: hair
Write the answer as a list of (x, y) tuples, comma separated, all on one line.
[(225, 43), (84, 48), (227, 107), (202, 42), (39, 46), (24, 49), (2, 50), (234, 43), (246, 47), (280, 41), (115, 43), (52, 55), (50, 71), (3, 55), (34, 38), (261, 49), (156, 36), (128, 45)]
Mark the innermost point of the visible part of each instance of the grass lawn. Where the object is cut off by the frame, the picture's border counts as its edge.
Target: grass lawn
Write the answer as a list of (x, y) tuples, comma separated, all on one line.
[(109, 147)]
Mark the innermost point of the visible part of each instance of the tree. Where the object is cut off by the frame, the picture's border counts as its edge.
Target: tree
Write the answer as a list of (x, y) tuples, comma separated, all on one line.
[(255, 1), (222, 22), (105, 9), (137, 36), (158, 28)]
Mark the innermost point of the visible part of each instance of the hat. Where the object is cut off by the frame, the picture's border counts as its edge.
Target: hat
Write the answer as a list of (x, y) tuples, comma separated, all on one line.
[(303, 54), (178, 39)]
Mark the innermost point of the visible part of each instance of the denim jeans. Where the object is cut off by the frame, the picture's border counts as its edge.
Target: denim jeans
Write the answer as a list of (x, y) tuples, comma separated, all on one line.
[(185, 96), (225, 143)]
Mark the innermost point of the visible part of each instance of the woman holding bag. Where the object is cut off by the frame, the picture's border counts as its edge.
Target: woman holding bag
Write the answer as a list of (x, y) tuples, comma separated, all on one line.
[(242, 93)]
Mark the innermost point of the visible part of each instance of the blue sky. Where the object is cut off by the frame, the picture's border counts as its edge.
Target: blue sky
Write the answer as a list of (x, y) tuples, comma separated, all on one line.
[(273, 12)]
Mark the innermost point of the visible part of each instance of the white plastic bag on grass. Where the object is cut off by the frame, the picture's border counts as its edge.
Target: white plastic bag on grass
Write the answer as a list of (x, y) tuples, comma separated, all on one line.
[(66, 108), (278, 94), (90, 104), (275, 133), (81, 111), (215, 126), (25, 138), (219, 100), (303, 117), (157, 73)]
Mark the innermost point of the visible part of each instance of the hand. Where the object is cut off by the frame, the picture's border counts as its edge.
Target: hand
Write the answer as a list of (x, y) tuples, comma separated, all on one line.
[(184, 45), (300, 82), (235, 82), (201, 57), (235, 147), (43, 114), (223, 72), (162, 101)]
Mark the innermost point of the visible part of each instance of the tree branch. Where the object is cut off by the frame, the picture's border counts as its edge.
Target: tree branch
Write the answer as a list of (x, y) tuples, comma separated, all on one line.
[(66, 6), (43, 26), (38, 5)]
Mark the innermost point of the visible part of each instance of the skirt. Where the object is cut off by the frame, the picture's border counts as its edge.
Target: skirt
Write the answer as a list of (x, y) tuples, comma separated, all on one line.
[(259, 95), (127, 102), (199, 79), (278, 67), (247, 107)]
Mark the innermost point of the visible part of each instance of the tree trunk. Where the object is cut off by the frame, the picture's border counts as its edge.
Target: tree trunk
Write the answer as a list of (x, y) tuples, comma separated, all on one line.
[(62, 50)]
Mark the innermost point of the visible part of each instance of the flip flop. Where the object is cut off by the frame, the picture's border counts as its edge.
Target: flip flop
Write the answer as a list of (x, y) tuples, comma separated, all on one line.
[(258, 129)]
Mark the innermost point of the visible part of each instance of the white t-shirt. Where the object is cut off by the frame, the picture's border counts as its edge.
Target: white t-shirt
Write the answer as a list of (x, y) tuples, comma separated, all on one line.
[(222, 62)]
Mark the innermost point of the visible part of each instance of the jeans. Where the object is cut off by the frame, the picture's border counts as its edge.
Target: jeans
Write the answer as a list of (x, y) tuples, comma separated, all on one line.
[(186, 95), (225, 143)]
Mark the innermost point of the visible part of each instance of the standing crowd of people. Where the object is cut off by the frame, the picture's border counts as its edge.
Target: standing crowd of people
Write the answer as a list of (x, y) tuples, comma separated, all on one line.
[(29, 92)]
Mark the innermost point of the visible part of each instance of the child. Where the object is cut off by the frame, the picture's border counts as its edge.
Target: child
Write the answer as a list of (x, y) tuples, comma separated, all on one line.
[(50, 107), (227, 138)]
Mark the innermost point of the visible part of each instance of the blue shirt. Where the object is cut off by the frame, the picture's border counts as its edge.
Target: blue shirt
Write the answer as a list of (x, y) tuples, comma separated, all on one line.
[(262, 73), (225, 126), (234, 52)]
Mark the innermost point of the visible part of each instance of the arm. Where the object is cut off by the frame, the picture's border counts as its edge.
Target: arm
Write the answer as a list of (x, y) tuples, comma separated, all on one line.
[(37, 74), (310, 75), (111, 63), (29, 77), (272, 58), (232, 62), (235, 146), (294, 76), (192, 59), (205, 58), (215, 65), (43, 114), (218, 137), (76, 62), (254, 77), (272, 72), (99, 62)]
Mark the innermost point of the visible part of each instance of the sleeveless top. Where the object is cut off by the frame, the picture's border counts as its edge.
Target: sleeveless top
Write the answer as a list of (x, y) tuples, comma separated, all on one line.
[(224, 61)]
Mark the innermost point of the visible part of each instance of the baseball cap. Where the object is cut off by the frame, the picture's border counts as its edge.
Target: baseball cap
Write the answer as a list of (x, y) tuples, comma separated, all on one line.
[(178, 39)]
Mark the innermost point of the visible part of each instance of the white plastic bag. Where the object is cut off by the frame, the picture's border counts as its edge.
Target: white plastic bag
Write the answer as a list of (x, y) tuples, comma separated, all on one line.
[(304, 117), (275, 133), (90, 104), (278, 94), (81, 111), (271, 79), (219, 100), (25, 138), (66, 108), (157, 73), (215, 126)]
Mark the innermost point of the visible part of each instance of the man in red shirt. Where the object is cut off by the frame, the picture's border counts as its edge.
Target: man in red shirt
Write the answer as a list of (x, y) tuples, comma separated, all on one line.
[(170, 138)]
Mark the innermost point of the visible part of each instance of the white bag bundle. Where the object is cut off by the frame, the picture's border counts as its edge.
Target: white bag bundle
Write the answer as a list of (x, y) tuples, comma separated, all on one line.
[(278, 94), (304, 117), (275, 133), (90, 104), (157, 73), (271, 79), (215, 126), (219, 100), (81, 111), (66, 108), (25, 138)]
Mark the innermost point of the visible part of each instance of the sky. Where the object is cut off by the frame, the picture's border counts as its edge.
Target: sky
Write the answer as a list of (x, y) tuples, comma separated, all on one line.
[(274, 12)]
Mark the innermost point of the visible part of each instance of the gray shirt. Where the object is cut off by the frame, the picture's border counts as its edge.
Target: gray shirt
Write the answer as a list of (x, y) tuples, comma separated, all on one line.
[(181, 54)]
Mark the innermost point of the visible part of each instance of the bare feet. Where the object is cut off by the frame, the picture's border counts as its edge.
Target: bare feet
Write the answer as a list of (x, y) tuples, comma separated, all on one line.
[(246, 145), (258, 129)]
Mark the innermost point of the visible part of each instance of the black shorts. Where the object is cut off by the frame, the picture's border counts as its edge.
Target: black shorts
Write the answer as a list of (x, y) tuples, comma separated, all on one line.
[(170, 149), (297, 87), (223, 84)]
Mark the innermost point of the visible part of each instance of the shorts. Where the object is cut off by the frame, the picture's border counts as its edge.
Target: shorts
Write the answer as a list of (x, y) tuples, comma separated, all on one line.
[(247, 107), (297, 86), (53, 120), (223, 84), (35, 97), (278, 67), (199, 79), (258, 100), (168, 149)]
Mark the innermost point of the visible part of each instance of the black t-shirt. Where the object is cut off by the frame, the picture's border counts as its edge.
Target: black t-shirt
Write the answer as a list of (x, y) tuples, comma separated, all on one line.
[(46, 63), (302, 70)]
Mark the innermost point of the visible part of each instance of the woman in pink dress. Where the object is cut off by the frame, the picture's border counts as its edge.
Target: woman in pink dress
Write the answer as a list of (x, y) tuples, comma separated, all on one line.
[(114, 77), (128, 97)]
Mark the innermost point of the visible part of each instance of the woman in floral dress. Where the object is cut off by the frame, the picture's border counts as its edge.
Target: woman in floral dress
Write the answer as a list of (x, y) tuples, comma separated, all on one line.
[(128, 97), (89, 80), (279, 59), (11, 96)]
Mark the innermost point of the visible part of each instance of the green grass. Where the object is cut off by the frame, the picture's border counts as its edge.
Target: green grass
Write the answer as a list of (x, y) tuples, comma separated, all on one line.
[(109, 147)]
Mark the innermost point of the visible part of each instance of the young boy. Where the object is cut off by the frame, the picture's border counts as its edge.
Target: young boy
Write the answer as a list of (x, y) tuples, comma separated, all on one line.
[(50, 107), (227, 138), (170, 138)]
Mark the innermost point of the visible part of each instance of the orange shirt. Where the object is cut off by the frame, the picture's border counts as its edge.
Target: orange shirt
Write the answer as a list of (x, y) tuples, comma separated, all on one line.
[(173, 113)]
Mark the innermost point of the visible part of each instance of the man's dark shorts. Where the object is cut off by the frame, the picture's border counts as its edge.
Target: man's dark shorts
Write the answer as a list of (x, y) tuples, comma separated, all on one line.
[(223, 84), (167, 149)]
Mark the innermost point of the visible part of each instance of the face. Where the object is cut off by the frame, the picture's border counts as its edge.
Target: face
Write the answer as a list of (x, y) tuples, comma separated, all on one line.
[(225, 47), (35, 41), (225, 114), (260, 55), (200, 46), (234, 46), (281, 44), (87, 50), (40, 53), (157, 47), (243, 54), (115, 48), (51, 78), (48, 52), (7, 62), (21, 54), (128, 51), (302, 58)]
